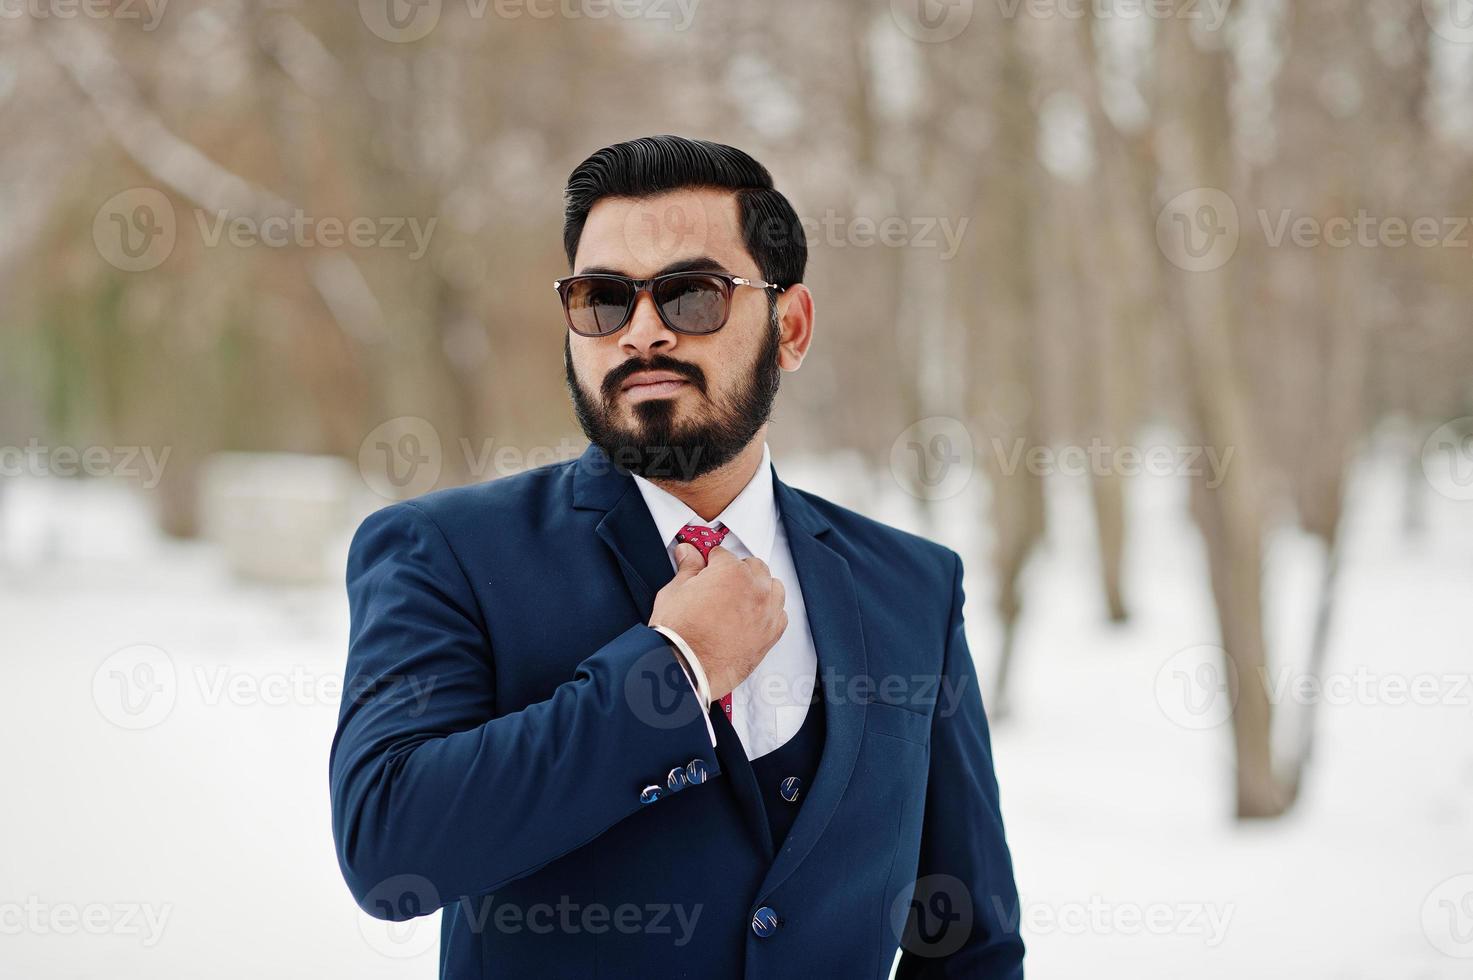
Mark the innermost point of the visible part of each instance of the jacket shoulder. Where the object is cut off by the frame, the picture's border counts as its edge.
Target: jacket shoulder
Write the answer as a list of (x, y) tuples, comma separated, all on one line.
[(884, 545), (528, 496)]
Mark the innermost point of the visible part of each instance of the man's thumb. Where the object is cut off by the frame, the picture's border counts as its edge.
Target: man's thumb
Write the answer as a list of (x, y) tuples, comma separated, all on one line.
[(688, 559)]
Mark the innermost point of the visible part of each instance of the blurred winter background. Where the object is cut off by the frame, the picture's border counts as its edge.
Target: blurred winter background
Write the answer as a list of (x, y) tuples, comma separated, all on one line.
[(1157, 310)]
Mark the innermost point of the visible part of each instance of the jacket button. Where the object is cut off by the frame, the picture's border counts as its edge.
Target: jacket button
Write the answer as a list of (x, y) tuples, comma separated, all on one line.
[(789, 788), (650, 794), (764, 922), (695, 771), (676, 780)]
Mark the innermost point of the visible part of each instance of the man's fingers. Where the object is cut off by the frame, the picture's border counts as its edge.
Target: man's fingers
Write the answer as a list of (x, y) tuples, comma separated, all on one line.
[(688, 559), (719, 556)]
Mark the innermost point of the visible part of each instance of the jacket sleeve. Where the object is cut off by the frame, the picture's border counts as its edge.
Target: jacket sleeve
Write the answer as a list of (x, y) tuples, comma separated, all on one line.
[(435, 796), (964, 914)]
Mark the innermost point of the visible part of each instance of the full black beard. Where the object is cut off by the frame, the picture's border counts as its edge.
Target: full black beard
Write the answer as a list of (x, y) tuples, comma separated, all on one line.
[(661, 449)]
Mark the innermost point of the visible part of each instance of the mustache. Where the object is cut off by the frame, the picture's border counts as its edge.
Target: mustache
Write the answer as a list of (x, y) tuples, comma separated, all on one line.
[(615, 379)]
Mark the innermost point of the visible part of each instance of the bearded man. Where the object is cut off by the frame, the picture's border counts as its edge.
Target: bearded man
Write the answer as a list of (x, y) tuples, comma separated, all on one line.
[(653, 712)]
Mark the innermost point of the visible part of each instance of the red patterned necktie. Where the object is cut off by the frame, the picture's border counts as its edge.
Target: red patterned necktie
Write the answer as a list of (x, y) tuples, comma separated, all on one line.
[(706, 538)]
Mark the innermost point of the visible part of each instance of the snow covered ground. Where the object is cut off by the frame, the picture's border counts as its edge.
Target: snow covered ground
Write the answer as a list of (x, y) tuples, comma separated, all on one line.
[(187, 833)]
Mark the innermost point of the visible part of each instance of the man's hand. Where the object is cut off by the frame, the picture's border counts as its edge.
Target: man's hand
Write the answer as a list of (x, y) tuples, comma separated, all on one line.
[(729, 609)]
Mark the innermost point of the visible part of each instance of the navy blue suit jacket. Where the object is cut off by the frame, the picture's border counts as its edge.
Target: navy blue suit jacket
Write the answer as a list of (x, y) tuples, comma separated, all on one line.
[(505, 706)]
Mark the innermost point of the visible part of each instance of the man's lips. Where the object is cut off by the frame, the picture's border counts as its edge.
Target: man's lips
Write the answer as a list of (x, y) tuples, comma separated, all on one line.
[(650, 378), (652, 384)]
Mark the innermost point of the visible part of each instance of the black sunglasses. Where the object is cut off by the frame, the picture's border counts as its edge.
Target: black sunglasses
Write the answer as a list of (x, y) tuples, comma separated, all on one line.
[(687, 302)]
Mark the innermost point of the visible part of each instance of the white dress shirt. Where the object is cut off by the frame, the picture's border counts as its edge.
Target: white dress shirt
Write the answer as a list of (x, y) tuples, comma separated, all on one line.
[(767, 708)]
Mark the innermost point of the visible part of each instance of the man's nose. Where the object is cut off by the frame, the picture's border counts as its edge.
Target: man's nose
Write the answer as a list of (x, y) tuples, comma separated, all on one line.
[(646, 331)]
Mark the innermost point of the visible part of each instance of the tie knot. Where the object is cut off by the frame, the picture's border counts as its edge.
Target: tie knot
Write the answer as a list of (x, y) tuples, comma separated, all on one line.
[(704, 538)]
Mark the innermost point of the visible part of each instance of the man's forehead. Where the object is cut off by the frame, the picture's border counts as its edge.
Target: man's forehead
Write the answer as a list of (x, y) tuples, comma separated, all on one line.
[(643, 236)]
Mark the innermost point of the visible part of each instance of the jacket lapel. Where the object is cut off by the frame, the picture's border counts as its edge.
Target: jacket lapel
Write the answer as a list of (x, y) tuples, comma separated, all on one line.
[(833, 618), (743, 782), (626, 527)]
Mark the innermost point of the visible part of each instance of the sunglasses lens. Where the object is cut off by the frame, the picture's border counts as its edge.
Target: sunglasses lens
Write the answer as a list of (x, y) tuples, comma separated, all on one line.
[(597, 306), (693, 303)]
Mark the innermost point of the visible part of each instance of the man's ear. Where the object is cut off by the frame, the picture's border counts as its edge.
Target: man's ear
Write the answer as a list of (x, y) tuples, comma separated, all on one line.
[(795, 325)]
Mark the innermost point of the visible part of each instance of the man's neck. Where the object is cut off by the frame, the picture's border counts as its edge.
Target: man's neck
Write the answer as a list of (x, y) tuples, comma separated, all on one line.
[(709, 494)]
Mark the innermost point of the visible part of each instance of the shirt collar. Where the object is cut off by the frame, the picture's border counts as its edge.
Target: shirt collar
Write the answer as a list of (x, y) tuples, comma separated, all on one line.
[(751, 516)]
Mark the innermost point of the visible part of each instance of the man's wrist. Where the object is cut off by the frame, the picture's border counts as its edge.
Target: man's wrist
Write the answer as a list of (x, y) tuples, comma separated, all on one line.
[(690, 662), (694, 673)]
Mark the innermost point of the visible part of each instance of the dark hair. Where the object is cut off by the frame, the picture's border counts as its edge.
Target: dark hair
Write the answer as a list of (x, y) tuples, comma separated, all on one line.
[(655, 164)]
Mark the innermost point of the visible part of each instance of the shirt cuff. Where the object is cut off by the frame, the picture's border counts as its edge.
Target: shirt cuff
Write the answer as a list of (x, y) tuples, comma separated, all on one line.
[(693, 673)]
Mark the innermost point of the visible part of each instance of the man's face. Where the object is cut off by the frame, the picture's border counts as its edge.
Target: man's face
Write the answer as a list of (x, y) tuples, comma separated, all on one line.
[(660, 403)]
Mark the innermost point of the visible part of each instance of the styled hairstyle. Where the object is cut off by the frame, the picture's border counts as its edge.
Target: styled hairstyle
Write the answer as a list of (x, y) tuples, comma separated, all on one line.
[(655, 164)]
